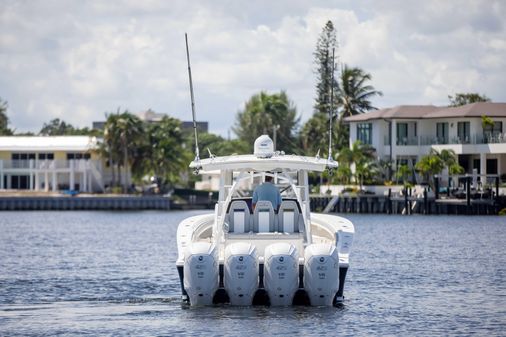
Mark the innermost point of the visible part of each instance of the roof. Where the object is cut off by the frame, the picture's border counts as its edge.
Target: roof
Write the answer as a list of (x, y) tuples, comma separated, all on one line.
[(250, 162), (430, 111), (488, 109), (48, 143)]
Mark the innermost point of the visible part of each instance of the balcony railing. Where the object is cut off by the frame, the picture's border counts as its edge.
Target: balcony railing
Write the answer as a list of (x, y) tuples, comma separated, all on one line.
[(487, 138), (29, 164)]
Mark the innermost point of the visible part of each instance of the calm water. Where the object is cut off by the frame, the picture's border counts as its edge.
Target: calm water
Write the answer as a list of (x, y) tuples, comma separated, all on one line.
[(101, 273)]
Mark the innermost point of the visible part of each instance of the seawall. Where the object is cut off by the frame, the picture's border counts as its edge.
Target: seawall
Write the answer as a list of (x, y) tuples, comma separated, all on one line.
[(84, 203)]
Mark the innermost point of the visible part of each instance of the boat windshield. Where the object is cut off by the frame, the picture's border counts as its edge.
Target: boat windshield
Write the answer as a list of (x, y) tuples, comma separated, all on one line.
[(286, 182)]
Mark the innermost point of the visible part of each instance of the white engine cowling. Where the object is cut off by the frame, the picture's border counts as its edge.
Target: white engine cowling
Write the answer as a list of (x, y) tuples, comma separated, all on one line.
[(241, 273), (281, 273), (321, 273), (201, 273)]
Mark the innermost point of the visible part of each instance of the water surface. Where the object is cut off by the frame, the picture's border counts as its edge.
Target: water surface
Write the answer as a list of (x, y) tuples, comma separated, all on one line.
[(113, 273)]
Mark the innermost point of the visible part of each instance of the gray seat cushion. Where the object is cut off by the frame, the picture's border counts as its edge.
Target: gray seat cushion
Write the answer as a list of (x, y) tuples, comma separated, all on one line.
[(263, 217), (239, 217)]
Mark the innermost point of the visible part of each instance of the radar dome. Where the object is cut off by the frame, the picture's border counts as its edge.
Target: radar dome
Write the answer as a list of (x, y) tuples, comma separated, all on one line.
[(264, 147)]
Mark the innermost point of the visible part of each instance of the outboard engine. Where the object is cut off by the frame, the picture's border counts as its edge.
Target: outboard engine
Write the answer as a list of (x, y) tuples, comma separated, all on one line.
[(281, 273), (201, 273), (321, 273), (241, 272)]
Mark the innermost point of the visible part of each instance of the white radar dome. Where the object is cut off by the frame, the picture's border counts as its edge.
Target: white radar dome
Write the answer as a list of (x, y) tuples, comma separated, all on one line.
[(264, 147)]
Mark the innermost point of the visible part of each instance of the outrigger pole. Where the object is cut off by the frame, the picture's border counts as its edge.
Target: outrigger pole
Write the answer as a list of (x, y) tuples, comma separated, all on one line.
[(331, 107), (197, 154)]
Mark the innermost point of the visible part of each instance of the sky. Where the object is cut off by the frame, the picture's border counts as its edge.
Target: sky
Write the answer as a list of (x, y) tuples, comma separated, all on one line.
[(78, 60)]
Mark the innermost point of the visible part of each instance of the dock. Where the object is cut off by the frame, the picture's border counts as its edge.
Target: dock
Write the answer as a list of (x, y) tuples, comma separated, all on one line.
[(406, 205)]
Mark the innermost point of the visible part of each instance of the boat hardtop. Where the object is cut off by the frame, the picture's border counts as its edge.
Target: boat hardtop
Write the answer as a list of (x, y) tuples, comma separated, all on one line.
[(247, 253)]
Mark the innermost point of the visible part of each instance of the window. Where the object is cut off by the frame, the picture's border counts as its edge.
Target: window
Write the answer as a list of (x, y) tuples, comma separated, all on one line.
[(44, 156), (442, 133), (496, 128), (20, 182), (21, 160), (492, 133), (463, 132), (78, 155), (364, 133), (402, 133)]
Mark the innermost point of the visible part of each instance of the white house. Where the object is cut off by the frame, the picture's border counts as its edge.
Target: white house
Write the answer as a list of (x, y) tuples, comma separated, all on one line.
[(51, 163), (406, 133)]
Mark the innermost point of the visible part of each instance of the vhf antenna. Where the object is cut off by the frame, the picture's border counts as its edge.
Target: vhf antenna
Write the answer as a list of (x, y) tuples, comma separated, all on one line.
[(197, 154), (331, 106)]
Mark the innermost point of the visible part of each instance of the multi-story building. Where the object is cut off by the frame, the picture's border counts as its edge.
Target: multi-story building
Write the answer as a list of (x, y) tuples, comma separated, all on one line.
[(51, 163), (404, 134)]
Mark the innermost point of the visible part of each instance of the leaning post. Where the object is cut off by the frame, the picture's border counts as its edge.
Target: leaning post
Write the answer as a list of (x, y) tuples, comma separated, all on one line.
[(468, 192), (406, 206), (389, 201), (425, 201), (496, 188), (436, 186)]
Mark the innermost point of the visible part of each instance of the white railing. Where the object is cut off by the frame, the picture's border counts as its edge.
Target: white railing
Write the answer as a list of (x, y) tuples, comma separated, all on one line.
[(479, 138), (35, 164)]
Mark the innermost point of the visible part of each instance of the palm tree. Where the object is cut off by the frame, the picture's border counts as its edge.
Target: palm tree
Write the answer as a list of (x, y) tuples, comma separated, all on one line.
[(123, 136), (362, 156), (450, 161), (430, 165), (131, 132), (403, 173), (353, 94), (110, 145)]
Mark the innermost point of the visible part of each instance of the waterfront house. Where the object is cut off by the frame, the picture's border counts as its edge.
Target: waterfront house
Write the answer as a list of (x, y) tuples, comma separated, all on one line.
[(404, 134), (51, 163)]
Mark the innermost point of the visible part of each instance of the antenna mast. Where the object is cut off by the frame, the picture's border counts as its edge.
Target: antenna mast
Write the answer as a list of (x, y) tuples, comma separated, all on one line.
[(197, 154), (331, 106)]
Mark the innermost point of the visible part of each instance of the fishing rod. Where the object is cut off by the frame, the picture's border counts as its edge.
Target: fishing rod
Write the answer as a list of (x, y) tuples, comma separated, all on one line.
[(331, 108), (197, 154)]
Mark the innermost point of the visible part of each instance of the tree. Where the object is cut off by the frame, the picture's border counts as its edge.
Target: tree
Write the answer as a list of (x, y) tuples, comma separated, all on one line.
[(435, 162), (348, 95), (325, 45), (467, 98), (450, 161), (402, 174), (314, 135), (4, 120), (123, 140), (220, 146), (429, 165), (164, 155), (354, 93), (57, 127), (362, 157), (131, 133), (265, 112)]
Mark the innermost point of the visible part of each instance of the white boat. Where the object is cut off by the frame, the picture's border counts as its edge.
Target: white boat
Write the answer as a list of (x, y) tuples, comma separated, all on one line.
[(272, 257)]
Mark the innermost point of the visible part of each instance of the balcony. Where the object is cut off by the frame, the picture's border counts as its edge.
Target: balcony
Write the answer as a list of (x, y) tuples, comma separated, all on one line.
[(51, 165), (488, 138)]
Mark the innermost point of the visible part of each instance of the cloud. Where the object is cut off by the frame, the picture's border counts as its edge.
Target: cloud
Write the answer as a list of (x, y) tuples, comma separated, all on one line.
[(76, 60)]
